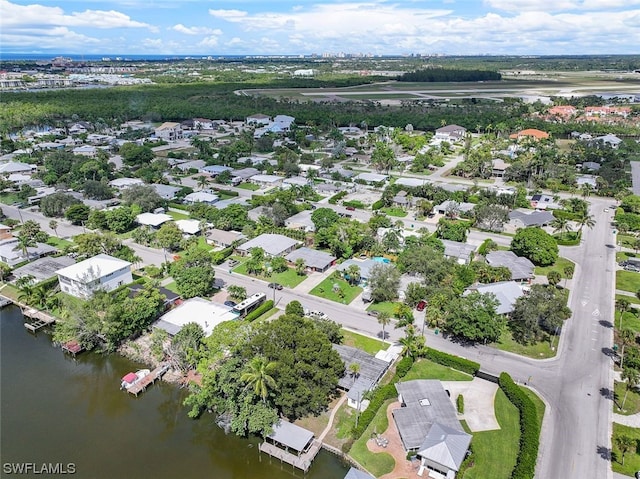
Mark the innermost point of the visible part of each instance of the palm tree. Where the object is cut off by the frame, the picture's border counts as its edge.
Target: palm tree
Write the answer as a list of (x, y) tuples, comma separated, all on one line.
[(24, 242), (587, 189), (300, 266), (624, 443), (53, 224), (622, 305), (627, 337), (631, 376), (384, 318), (568, 273), (259, 376), (354, 370), (561, 225), (353, 272), (202, 181), (587, 220)]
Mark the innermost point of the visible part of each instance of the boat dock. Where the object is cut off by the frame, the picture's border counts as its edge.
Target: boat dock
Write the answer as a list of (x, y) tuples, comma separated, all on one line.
[(72, 347), (149, 379), (39, 319), (5, 302), (302, 462)]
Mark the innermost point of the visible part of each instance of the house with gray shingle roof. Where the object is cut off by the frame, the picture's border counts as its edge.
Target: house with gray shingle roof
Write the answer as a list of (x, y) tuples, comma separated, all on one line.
[(506, 292), (522, 269), (522, 219)]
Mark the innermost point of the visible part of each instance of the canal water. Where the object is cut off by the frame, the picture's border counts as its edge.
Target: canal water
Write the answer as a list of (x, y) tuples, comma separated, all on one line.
[(60, 410)]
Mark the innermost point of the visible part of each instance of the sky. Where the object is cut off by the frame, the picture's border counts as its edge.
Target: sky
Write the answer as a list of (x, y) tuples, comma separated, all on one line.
[(289, 27)]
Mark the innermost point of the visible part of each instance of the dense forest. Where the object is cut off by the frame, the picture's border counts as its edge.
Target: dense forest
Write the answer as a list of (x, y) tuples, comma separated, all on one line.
[(449, 75)]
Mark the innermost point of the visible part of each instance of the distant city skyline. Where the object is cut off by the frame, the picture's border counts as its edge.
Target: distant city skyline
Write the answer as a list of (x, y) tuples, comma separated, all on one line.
[(284, 27)]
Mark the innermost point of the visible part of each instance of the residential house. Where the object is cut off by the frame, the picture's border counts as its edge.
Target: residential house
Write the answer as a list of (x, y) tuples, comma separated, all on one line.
[(188, 227), (364, 265), (562, 112), (272, 244), (607, 140), (202, 124), (591, 166), (154, 220), (301, 221), (124, 183), (166, 192), (522, 270), (498, 167), (598, 111), (13, 167), (200, 197), (371, 178), (450, 133), (295, 181), (266, 181), (314, 260), (170, 298), (284, 122), (411, 182), (428, 425), (191, 165), (530, 133), (450, 207), (169, 131), (5, 232), (215, 170), (238, 176), (195, 310), (462, 252), (522, 218), (42, 268), (101, 272), (86, 150), (12, 253), (590, 180), (544, 202), (505, 292), (224, 239), (258, 119), (402, 200), (371, 369)]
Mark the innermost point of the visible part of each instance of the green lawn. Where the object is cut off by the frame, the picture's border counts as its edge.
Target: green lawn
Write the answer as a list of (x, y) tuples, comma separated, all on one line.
[(631, 458), (248, 186), (288, 278), (381, 463), (626, 240), (631, 299), (630, 320), (628, 281), (58, 242), (388, 306), (632, 402), (10, 198), (370, 345), (495, 451), (394, 211), (558, 266), (623, 256), (425, 369), (172, 286), (538, 350), (178, 216), (325, 290)]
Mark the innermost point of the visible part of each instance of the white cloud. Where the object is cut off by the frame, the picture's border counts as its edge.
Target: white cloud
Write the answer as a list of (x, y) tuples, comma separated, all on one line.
[(196, 30), (229, 15), (531, 5)]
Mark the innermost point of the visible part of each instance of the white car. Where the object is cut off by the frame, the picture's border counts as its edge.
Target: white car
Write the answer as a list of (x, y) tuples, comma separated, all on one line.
[(318, 315)]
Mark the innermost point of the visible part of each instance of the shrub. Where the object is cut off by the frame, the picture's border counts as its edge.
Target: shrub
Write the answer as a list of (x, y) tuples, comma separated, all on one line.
[(259, 311), (354, 204), (338, 196), (529, 428), (460, 404), (455, 362), (219, 257), (377, 205)]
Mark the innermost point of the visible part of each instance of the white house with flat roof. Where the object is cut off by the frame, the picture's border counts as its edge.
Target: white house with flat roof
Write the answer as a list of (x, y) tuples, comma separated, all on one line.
[(200, 197), (371, 177), (102, 272), (195, 310), (169, 131), (272, 244), (266, 180), (155, 220), (123, 183)]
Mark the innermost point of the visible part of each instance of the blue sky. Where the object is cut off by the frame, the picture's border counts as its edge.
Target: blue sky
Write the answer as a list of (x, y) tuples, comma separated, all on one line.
[(216, 27)]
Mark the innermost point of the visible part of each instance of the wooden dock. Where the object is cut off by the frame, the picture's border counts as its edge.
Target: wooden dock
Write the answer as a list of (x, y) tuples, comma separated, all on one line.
[(149, 379), (72, 347), (302, 462), (39, 319)]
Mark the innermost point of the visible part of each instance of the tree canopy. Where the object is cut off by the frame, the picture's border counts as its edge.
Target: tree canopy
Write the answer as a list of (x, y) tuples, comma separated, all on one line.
[(536, 244)]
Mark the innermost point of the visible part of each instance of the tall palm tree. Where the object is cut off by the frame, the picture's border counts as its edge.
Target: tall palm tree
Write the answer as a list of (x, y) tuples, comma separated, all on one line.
[(627, 337), (561, 225), (624, 443), (622, 305), (23, 243), (631, 377), (53, 224), (259, 376), (587, 220), (384, 318)]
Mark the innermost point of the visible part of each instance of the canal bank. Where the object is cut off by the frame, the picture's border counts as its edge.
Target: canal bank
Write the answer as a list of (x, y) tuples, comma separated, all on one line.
[(57, 409)]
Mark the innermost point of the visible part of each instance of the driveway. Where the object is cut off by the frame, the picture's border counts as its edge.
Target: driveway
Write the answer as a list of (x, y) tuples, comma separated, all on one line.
[(479, 394)]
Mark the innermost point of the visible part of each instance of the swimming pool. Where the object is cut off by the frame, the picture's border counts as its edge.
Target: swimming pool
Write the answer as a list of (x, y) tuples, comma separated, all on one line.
[(381, 259)]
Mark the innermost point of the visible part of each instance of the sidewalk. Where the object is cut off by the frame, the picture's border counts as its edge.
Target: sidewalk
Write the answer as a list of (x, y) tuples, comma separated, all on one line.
[(313, 280), (631, 421)]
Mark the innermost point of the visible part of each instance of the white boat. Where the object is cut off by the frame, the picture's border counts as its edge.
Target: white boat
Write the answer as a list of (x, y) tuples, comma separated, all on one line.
[(132, 378)]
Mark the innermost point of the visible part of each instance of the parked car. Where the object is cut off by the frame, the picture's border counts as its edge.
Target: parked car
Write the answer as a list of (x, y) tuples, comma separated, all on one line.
[(277, 286), (233, 262), (373, 313), (318, 315), (351, 208), (631, 267), (231, 304), (421, 305)]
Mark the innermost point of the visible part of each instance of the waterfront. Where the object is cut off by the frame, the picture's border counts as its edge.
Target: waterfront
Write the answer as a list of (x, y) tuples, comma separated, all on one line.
[(55, 409)]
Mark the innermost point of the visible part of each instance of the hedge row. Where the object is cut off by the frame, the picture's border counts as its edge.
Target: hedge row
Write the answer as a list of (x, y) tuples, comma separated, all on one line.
[(220, 257), (380, 395), (529, 428), (226, 192), (377, 205), (338, 196), (355, 204), (259, 311), (455, 362)]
